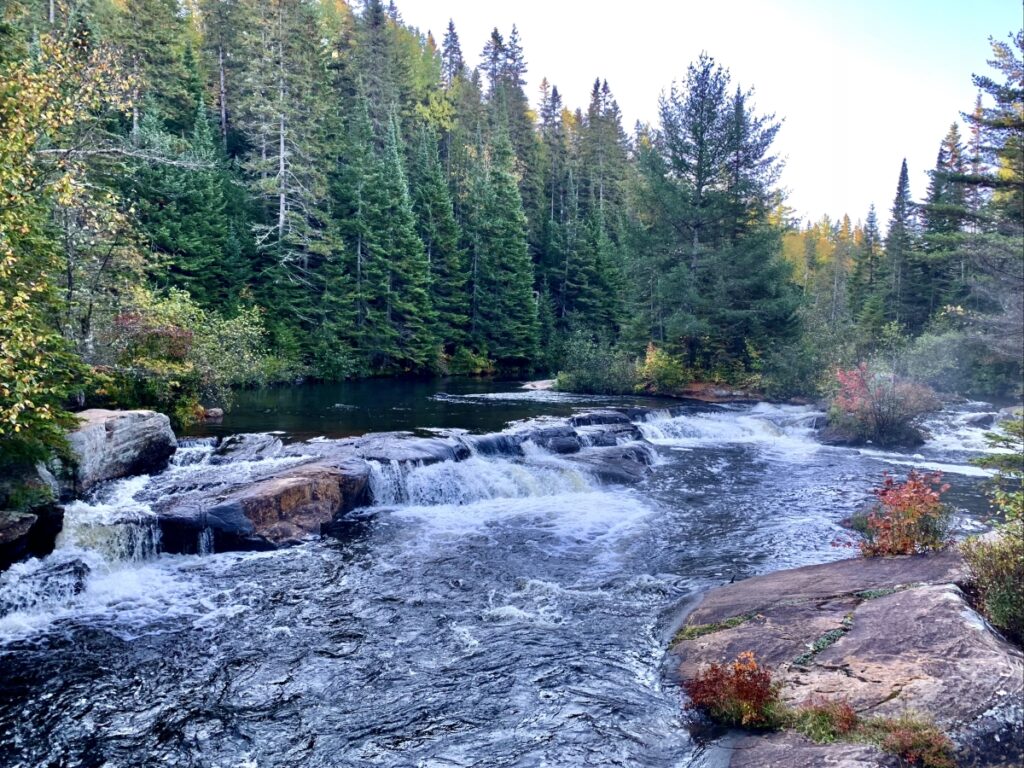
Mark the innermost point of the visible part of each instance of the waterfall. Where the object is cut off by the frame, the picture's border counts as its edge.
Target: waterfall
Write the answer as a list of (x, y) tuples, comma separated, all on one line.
[(477, 478)]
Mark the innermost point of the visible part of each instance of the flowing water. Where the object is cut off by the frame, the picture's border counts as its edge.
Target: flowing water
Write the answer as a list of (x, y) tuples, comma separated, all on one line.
[(500, 611)]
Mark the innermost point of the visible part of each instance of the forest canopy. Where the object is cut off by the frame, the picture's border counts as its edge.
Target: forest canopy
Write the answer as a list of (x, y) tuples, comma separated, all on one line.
[(205, 194)]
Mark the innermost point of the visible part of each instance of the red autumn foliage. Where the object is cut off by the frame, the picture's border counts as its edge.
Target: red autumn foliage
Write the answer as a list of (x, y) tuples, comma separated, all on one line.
[(740, 693), (145, 337), (910, 517), (840, 718), (920, 745), (876, 406)]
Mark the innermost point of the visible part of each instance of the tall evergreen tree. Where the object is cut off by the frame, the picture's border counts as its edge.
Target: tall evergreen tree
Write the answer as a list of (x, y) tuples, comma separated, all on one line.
[(435, 223)]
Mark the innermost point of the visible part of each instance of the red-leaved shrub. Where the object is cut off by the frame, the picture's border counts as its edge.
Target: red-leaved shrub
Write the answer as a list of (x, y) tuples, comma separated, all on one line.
[(878, 407), (910, 517), (739, 693), (918, 743)]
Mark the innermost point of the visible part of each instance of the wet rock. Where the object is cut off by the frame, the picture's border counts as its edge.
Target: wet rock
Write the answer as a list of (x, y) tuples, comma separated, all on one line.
[(592, 418), (498, 444), (401, 447), (907, 437), (276, 511), (617, 465), (213, 414), (113, 444), (606, 435), (1010, 412), (886, 634), (557, 439), (247, 447), (982, 420), (542, 385), (28, 534), (43, 581), (794, 751)]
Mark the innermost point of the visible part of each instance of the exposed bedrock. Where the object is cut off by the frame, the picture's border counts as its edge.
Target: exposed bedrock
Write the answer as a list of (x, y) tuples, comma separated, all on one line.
[(886, 634), (319, 481)]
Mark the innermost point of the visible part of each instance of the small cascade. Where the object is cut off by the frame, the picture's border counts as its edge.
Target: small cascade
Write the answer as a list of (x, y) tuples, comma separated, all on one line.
[(782, 428), (455, 483), (114, 524)]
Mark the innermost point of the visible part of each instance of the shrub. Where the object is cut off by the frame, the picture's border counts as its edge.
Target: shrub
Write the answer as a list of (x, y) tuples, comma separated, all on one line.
[(660, 372), (878, 407), (825, 720), (915, 740), (740, 693), (172, 355), (997, 564), (596, 367), (909, 518), (466, 362)]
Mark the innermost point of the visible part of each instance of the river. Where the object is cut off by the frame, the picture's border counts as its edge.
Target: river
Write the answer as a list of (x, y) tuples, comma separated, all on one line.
[(496, 612)]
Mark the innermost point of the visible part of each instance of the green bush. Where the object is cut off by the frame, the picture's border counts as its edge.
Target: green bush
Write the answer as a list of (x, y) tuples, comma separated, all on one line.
[(466, 362), (997, 563), (660, 372), (596, 367), (175, 357)]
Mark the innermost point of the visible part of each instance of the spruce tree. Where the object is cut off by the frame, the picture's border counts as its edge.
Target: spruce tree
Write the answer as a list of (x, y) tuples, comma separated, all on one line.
[(397, 336), (435, 223), (505, 304)]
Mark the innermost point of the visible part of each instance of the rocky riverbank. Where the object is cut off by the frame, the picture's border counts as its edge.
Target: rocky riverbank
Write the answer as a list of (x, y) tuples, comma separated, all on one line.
[(888, 635), (304, 489)]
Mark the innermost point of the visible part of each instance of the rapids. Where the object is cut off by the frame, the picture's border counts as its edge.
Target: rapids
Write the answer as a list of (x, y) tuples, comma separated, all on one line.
[(499, 611)]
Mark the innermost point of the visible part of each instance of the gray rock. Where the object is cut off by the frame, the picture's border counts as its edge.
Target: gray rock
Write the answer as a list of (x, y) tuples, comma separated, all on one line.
[(983, 420), (790, 750), (617, 465), (247, 447), (900, 634), (113, 444)]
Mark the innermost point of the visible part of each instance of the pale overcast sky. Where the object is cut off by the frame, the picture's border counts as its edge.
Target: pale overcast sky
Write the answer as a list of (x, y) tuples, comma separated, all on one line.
[(861, 83)]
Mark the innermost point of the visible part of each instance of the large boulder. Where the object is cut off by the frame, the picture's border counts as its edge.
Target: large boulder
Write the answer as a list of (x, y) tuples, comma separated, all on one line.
[(28, 533), (112, 444), (272, 512), (885, 634)]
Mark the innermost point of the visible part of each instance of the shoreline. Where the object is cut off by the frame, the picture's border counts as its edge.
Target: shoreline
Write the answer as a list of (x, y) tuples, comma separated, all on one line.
[(888, 635)]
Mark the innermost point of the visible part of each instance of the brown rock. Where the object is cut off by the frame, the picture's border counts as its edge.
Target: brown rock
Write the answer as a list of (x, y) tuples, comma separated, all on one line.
[(821, 582), (275, 511)]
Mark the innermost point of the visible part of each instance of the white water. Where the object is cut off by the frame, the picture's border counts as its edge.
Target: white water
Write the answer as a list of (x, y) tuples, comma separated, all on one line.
[(506, 609), (779, 429)]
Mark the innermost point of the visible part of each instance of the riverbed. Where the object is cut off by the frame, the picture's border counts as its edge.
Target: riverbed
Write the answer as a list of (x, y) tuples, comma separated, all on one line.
[(501, 611)]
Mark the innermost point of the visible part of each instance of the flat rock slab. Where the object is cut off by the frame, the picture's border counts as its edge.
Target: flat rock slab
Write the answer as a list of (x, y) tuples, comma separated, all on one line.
[(278, 510), (888, 635), (821, 582), (793, 751)]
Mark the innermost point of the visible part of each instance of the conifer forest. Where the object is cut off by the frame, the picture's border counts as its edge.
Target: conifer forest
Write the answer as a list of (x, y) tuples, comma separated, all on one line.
[(201, 195)]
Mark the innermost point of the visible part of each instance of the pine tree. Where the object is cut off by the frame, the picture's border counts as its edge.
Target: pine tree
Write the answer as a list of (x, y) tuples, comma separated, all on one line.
[(505, 308), (284, 117), (867, 255), (397, 335), (453, 66), (900, 266), (183, 210), (435, 223)]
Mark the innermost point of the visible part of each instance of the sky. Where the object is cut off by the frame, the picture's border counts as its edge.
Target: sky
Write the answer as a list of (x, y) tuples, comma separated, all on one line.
[(860, 84)]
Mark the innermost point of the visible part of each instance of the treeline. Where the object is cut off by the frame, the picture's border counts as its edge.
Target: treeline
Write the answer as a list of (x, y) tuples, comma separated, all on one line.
[(210, 193)]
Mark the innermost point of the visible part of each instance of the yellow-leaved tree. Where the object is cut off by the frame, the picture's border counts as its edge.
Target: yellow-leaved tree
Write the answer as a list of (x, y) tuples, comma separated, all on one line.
[(63, 84)]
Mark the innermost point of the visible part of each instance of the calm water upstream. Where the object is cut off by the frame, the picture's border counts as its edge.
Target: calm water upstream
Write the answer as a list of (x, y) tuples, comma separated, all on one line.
[(519, 617)]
